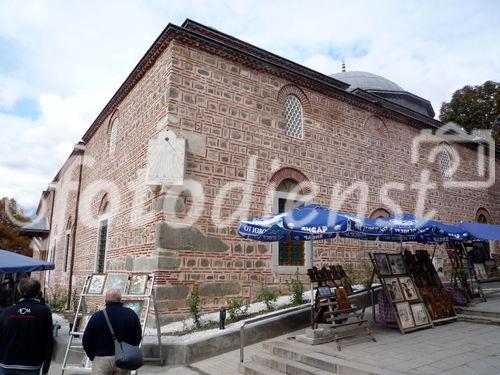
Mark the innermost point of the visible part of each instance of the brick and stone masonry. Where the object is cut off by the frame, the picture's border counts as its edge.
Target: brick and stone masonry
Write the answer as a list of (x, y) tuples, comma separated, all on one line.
[(226, 98)]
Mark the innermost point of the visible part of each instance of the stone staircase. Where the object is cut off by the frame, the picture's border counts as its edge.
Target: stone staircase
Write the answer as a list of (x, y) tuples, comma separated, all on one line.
[(477, 316), (289, 358)]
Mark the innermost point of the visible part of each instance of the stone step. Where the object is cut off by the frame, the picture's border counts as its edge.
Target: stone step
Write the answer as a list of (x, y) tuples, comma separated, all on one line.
[(321, 361), (468, 311), (252, 368), (479, 319), (287, 366)]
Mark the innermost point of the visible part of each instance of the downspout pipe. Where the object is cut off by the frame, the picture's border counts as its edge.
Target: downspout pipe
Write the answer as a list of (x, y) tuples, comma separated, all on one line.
[(80, 149)]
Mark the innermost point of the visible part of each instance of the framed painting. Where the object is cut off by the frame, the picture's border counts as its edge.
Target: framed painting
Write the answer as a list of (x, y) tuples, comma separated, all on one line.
[(419, 314), (394, 289), (397, 264), (408, 288), (324, 291), (405, 315), (96, 285), (117, 281), (382, 264), (138, 284), (134, 305)]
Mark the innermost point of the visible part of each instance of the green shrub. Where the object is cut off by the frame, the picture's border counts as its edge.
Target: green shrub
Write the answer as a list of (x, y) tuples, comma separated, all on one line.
[(236, 308), (268, 296), (194, 306), (58, 299), (296, 287)]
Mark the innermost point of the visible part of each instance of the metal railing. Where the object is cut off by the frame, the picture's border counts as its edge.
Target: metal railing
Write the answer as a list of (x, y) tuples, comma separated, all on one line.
[(266, 317)]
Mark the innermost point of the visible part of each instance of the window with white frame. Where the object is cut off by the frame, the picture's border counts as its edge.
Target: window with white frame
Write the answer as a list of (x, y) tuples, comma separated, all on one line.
[(444, 161), (113, 137), (102, 238), (294, 117)]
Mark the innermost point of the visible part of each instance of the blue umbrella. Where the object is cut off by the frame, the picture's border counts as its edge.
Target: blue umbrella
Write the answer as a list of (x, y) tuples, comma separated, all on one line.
[(11, 262), (404, 227), (313, 222), (305, 223)]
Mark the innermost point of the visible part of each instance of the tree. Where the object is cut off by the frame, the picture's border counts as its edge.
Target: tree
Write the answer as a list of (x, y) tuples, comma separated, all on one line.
[(475, 107), (9, 232)]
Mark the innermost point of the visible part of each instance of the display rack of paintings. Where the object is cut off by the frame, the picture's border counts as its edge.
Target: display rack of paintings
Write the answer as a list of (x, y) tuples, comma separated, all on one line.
[(399, 287), (332, 304), (437, 301), (472, 265), (137, 291)]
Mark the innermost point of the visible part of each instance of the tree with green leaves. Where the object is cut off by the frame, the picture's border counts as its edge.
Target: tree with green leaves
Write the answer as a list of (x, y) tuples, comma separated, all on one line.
[(475, 107)]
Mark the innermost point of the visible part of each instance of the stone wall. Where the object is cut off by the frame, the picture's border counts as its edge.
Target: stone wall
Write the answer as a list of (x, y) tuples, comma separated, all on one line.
[(232, 118)]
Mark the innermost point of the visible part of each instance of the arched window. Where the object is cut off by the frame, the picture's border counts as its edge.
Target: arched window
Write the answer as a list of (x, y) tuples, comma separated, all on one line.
[(113, 135), (294, 117), (444, 161), (379, 213), (483, 216)]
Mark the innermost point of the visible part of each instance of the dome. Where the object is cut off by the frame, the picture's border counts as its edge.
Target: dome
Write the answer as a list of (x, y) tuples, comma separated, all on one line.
[(366, 81), (385, 88)]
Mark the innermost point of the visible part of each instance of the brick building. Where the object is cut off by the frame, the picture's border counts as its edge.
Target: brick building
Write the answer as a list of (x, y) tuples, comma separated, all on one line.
[(208, 130)]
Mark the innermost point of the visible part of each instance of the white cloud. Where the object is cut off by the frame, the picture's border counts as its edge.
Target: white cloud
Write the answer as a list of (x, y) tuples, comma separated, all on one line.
[(70, 57)]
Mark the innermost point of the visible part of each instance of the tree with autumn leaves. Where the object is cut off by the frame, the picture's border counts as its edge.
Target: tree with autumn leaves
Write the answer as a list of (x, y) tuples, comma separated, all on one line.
[(10, 239)]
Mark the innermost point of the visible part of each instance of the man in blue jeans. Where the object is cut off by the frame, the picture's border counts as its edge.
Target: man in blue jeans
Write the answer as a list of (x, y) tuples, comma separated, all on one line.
[(26, 333)]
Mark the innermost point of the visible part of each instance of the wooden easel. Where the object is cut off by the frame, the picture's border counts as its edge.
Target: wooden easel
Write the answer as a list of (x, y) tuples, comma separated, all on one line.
[(149, 301), (334, 307)]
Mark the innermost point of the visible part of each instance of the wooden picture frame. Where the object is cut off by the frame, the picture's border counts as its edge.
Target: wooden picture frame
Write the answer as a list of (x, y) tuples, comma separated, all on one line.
[(382, 264), (405, 315), (117, 281), (397, 264), (419, 313), (96, 284), (324, 291), (138, 284), (394, 289), (409, 289)]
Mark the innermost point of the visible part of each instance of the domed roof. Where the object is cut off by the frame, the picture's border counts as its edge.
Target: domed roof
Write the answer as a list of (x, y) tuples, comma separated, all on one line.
[(366, 81), (385, 88)]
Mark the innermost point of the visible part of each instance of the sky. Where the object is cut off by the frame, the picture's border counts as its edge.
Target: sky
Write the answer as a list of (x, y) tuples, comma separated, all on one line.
[(61, 61)]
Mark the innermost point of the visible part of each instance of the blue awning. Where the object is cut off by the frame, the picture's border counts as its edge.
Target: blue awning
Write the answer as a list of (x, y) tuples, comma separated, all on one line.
[(13, 263), (313, 222), (489, 232)]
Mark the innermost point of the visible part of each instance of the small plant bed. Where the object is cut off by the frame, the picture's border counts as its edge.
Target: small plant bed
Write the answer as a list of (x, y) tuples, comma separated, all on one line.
[(237, 313)]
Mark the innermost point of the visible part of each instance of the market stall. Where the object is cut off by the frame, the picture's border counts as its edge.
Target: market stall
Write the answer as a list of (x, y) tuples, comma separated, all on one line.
[(312, 222)]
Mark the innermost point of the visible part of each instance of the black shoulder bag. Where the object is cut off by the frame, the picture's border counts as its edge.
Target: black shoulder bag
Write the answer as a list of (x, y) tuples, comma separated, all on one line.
[(128, 357)]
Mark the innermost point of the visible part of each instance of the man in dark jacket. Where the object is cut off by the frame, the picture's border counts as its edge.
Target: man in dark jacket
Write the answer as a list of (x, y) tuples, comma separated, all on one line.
[(26, 333), (97, 340)]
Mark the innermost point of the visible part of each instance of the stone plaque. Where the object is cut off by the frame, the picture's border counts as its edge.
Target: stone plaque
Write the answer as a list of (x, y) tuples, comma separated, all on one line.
[(166, 160)]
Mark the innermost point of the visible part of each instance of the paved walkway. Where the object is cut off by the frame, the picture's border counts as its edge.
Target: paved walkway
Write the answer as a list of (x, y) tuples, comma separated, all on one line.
[(454, 348)]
